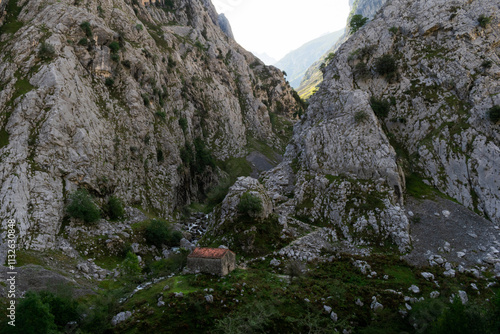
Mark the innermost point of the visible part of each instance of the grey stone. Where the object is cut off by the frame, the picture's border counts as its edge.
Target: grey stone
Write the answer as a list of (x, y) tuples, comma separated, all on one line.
[(121, 317), (427, 276), (434, 294), (414, 289)]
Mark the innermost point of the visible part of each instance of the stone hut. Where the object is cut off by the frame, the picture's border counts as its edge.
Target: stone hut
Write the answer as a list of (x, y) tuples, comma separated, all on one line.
[(216, 261)]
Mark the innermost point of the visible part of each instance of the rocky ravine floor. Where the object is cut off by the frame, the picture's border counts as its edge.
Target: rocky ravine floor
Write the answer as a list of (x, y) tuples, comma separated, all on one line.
[(445, 232)]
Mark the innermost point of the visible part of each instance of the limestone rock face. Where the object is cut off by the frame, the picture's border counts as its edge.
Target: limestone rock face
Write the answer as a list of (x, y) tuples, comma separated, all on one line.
[(446, 81), (225, 26), (131, 120), (313, 75), (341, 169)]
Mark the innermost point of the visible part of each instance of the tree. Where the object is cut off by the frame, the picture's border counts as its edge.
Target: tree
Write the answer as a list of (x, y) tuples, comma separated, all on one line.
[(159, 233), (386, 65), (250, 204), (130, 267), (34, 316), (82, 207), (47, 51), (357, 21), (115, 208)]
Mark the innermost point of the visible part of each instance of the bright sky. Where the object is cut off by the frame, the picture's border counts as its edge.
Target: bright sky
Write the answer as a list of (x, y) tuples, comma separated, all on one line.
[(277, 27)]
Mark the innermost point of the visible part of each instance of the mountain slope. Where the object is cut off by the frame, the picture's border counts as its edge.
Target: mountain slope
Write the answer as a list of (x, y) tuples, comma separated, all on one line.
[(298, 61), (313, 75), (145, 103), (402, 112)]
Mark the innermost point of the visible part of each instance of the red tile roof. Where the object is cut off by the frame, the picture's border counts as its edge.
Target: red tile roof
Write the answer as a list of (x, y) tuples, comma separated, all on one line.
[(209, 253)]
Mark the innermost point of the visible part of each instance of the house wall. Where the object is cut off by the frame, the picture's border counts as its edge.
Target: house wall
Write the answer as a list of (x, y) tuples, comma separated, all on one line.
[(212, 266), (228, 263), (207, 266)]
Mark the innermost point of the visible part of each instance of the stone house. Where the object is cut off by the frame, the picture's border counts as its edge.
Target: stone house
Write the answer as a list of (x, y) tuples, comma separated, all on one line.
[(216, 261)]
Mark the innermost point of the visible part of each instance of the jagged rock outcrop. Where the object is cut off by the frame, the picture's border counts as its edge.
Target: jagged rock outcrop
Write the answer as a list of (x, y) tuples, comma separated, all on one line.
[(342, 168), (225, 26), (314, 76), (441, 93), (138, 102)]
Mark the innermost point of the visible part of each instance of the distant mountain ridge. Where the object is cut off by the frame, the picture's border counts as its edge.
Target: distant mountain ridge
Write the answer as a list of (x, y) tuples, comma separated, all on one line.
[(296, 62), (313, 75)]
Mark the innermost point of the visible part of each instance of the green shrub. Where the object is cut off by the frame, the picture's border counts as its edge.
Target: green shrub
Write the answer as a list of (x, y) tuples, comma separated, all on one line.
[(82, 207), (86, 29), (183, 123), (114, 46), (360, 116), (139, 27), (361, 71), (250, 204), (159, 155), (84, 41), (494, 114), (126, 63), (483, 20), (161, 114), (357, 21), (47, 51), (386, 65), (63, 308), (115, 57), (109, 82), (130, 267), (33, 316), (145, 99), (204, 157), (487, 64), (394, 30), (174, 264), (380, 107), (460, 319), (115, 208), (159, 233)]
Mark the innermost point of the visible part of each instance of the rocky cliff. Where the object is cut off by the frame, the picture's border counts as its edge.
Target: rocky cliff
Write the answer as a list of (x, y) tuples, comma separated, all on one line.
[(313, 75), (143, 102), (405, 103)]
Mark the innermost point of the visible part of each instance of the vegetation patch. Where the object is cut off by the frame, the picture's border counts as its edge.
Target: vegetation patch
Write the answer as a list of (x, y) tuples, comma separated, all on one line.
[(494, 114), (159, 232), (386, 66), (380, 107), (356, 22), (81, 206), (483, 20)]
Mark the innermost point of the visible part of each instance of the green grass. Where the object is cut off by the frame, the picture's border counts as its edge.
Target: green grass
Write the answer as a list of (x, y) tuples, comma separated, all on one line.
[(401, 275), (11, 25), (417, 188)]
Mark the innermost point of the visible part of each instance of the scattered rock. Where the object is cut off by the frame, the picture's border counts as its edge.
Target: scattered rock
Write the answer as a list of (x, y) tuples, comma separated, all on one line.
[(434, 294), (428, 276), (334, 317), (120, 317), (209, 298), (275, 263), (414, 289), (375, 305)]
